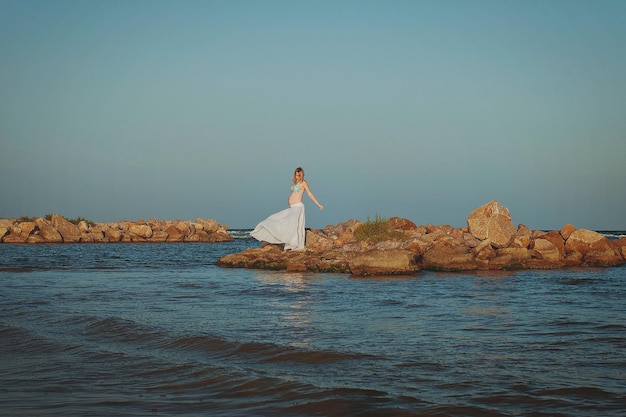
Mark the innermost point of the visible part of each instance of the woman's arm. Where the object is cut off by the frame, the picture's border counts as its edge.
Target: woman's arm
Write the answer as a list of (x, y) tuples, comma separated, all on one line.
[(311, 196)]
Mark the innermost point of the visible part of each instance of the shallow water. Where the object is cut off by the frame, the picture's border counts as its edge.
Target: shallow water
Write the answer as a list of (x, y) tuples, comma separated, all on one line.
[(158, 329)]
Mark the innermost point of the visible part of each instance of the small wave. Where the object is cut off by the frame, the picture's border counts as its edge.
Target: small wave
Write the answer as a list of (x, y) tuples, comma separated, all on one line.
[(122, 330), (264, 352), (240, 233)]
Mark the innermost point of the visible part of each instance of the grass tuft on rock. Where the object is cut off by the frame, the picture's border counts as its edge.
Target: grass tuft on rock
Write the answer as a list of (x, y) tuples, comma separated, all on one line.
[(377, 230)]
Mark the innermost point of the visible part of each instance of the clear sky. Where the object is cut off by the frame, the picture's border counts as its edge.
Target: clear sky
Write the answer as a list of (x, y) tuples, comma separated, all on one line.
[(114, 110)]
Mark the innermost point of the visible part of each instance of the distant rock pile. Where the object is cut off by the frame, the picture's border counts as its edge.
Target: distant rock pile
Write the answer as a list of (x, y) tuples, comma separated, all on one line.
[(59, 230), (489, 242)]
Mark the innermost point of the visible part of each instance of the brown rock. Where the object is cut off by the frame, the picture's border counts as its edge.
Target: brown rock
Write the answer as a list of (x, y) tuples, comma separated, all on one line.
[(442, 256), (158, 236), (209, 225), (35, 238), (174, 234), (26, 229), (596, 249), (523, 230), (399, 223), (383, 262), (567, 230), (492, 221), (3, 232), (47, 232), (317, 241), (521, 241), (12, 238), (584, 241), (69, 231), (484, 251), (556, 239), (545, 249), (113, 235), (141, 230), (516, 254)]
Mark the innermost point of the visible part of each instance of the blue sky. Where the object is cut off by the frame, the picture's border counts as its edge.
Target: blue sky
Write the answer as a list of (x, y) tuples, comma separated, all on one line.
[(131, 109)]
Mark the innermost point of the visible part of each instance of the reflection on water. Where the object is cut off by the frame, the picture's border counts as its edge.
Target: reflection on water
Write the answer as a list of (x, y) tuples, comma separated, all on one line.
[(295, 310)]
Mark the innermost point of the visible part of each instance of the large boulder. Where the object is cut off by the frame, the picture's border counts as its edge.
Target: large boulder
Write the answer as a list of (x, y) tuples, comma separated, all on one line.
[(69, 231), (140, 230), (442, 256), (595, 248), (48, 233), (492, 221), (382, 262), (546, 250)]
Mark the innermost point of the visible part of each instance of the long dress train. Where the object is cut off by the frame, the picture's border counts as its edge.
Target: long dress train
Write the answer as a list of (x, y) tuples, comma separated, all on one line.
[(286, 226)]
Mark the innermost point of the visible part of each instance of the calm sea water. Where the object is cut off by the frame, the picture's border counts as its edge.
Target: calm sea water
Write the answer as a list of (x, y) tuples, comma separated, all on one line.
[(158, 330)]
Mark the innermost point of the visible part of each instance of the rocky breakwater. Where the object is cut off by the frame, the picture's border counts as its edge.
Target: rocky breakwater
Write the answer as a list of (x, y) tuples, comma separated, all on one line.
[(490, 241), (57, 229)]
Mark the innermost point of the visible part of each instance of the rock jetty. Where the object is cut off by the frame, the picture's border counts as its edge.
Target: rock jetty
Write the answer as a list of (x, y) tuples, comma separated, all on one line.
[(490, 241), (57, 229)]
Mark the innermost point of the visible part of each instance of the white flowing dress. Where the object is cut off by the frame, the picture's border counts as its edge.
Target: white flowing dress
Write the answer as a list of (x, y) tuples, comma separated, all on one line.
[(286, 226)]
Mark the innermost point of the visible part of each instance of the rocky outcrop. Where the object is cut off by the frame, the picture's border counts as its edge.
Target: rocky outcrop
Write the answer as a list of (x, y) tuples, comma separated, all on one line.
[(57, 229), (489, 242)]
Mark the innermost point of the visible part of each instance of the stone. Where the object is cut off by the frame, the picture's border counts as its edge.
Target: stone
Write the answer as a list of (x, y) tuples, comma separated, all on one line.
[(317, 241), (26, 229), (557, 240), (584, 241), (596, 248), (174, 234), (492, 221), (515, 254), (382, 262), (444, 257), (69, 231), (567, 230), (209, 225), (114, 235), (48, 233), (546, 250), (399, 223), (141, 230), (11, 238)]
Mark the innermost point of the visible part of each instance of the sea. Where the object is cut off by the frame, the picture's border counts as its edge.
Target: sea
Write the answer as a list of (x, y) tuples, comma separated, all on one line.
[(160, 330)]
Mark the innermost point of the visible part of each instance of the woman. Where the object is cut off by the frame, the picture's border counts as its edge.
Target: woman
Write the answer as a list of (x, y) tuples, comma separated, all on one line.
[(287, 226)]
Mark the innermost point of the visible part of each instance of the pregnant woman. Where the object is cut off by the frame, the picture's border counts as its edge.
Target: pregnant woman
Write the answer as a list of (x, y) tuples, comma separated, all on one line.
[(287, 226)]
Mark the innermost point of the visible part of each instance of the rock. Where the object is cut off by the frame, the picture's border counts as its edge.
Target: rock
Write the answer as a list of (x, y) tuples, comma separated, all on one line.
[(545, 249), (158, 236), (492, 221), (567, 230), (141, 230), (11, 238), (399, 223), (383, 262), (3, 232), (209, 225), (444, 257), (596, 249), (83, 226), (69, 231), (113, 235), (584, 241), (174, 234), (317, 241), (516, 255), (26, 229), (48, 233), (557, 240)]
